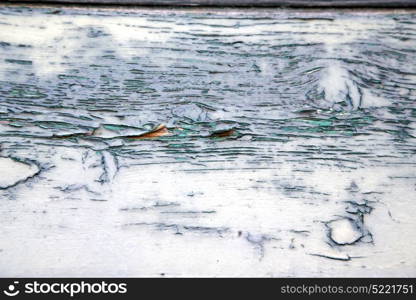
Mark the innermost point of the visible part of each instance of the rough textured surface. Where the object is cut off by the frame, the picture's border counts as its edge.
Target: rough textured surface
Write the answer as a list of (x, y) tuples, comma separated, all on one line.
[(277, 124), (13, 172), (344, 231)]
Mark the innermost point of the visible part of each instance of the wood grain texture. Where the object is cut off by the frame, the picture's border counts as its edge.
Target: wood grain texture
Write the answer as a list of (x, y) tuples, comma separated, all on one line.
[(288, 146), (240, 3)]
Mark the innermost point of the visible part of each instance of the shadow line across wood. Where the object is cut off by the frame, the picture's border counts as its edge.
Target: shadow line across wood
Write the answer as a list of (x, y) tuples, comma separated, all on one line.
[(240, 3)]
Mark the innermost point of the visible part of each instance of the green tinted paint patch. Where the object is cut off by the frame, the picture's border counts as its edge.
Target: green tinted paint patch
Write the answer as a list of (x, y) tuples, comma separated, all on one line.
[(18, 61), (319, 122), (55, 125), (29, 93), (115, 127)]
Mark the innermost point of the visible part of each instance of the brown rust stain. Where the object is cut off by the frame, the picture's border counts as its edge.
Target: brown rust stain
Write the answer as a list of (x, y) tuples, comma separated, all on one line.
[(222, 133), (160, 130)]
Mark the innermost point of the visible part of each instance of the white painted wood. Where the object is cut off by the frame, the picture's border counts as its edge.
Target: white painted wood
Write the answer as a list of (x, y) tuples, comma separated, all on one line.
[(289, 146)]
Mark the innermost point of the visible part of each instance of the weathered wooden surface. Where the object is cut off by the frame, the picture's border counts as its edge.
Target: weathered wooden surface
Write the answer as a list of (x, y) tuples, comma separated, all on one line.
[(289, 147), (240, 3)]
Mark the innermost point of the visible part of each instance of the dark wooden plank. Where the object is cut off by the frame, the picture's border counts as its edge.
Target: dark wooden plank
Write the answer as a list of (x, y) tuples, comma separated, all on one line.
[(243, 3)]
